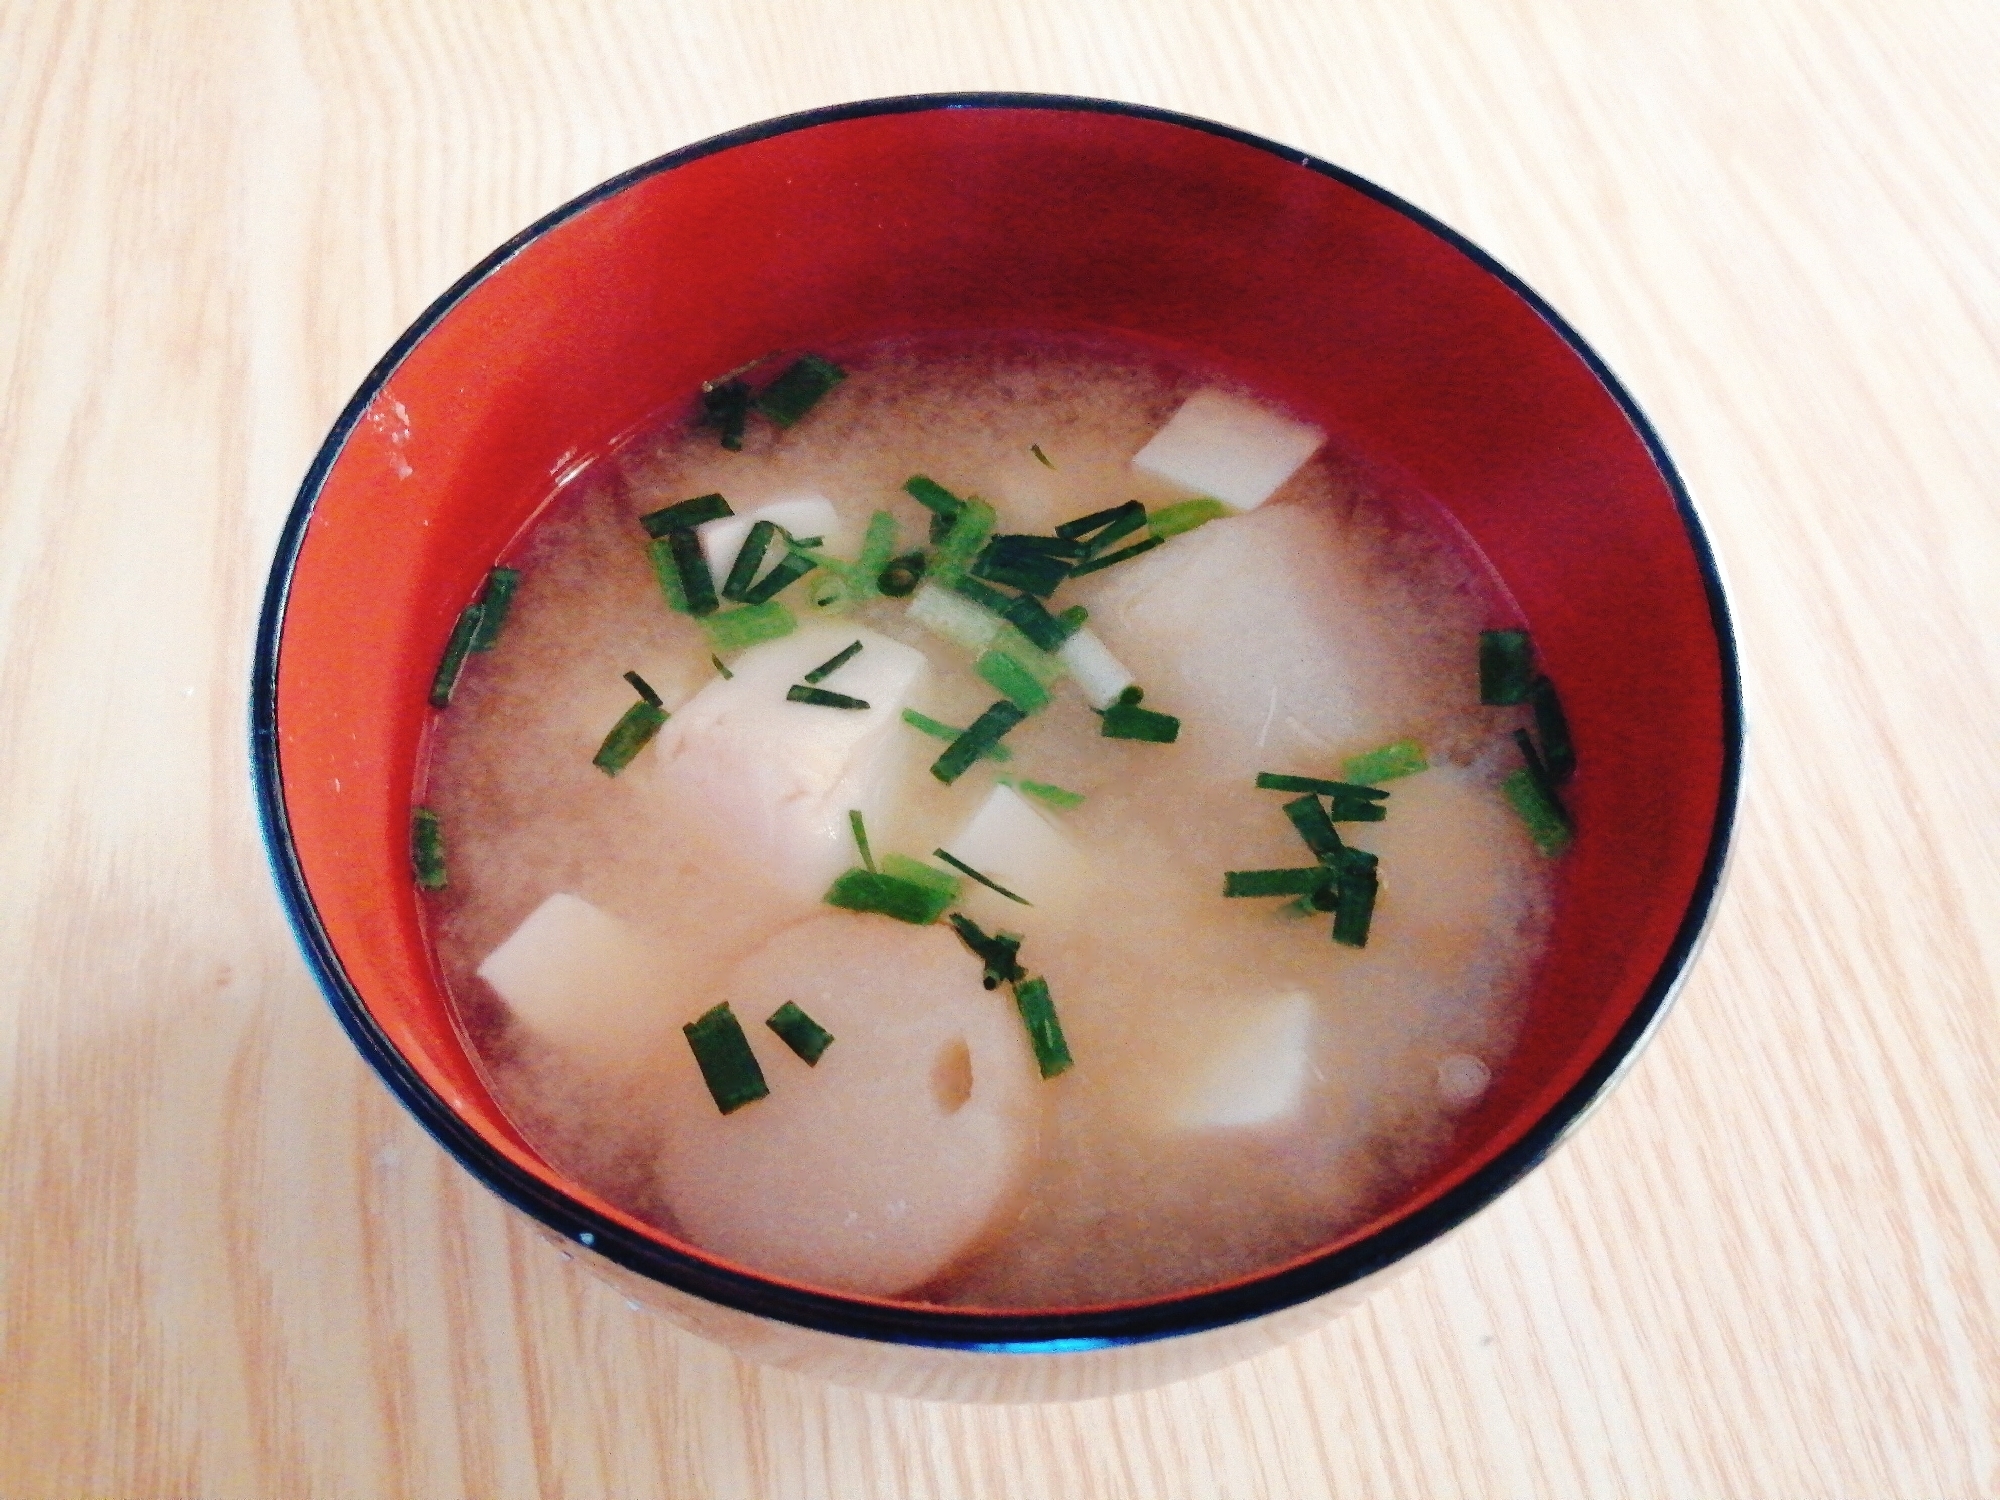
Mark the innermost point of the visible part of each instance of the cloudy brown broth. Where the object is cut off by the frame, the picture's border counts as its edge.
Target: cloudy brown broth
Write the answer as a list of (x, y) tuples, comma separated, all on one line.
[(1244, 1089)]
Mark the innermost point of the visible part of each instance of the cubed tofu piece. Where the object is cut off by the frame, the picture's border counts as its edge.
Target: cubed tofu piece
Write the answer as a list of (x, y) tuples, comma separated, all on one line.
[(1260, 1073), (585, 983), (905, 1146), (804, 516), (1228, 447), (764, 785), (1013, 843)]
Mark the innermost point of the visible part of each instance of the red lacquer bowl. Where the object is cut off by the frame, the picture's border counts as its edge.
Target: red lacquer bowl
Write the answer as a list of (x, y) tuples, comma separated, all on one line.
[(925, 214)]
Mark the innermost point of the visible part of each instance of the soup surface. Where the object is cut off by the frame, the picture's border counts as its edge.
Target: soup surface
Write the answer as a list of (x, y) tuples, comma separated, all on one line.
[(1230, 1087)]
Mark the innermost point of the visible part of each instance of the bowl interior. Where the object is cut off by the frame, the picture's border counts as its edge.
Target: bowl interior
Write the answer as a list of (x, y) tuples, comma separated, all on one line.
[(1405, 346)]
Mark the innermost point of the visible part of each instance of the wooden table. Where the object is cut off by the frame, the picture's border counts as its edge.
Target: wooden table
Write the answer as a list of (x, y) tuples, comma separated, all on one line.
[(231, 1266)]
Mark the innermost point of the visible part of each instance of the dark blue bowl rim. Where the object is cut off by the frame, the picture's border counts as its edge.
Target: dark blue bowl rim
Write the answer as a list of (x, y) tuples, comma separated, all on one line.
[(994, 1331)]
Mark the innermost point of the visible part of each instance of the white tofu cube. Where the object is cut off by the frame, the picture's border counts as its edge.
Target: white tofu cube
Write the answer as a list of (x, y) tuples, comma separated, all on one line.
[(801, 515), (1099, 674), (585, 983), (1259, 1075), (1011, 842), (765, 785), (1230, 448), (906, 1145)]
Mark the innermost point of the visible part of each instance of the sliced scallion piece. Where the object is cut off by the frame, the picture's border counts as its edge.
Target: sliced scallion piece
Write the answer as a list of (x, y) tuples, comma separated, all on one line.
[(1083, 526), (691, 564), (1040, 457), (644, 689), (900, 578), (1132, 518), (427, 850), (834, 663), (969, 532), (1404, 758), (717, 661), (1028, 563), (889, 895), (1274, 781), (942, 885), (1187, 515), (494, 601), (789, 570), (992, 885), (821, 698), (1028, 615), (444, 682), (1111, 559), (1355, 906), (749, 558), (1299, 882), (983, 594), (878, 547), (1309, 817), (1547, 825), (1007, 677), (982, 734), (927, 725), (667, 575), (1125, 720), (998, 953), (685, 515), (799, 389), (631, 734), (1038, 1014), (943, 505), (750, 625), (725, 406), (1558, 752), (800, 1032), (1506, 666), (1043, 791), (727, 1064), (860, 827)]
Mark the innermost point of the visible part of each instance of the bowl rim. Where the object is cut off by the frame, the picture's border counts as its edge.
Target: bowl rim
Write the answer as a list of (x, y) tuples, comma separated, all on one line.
[(981, 1330)]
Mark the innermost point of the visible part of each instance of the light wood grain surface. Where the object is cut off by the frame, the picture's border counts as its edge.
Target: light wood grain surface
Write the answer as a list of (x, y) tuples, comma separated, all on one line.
[(1769, 1267)]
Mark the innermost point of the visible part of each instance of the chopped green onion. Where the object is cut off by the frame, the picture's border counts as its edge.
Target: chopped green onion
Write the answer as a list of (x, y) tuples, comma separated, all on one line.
[(1273, 781), (1073, 619), (726, 406), (1043, 791), (800, 1032), (644, 689), (1097, 563), (889, 895), (944, 612), (686, 515), (983, 733), (943, 505), (878, 548), (749, 558), (751, 625), (942, 886), (1025, 563), (1125, 720), (860, 828), (1310, 819), (799, 389), (444, 682), (1038, 1014), (1027, 615), (1506, 666), (1045, 668), (667, 575), (691, 564), (727, 675), (493, 603), (1097, 520), (1404, 758), (992, 885), (790, 569), (1007, 677), (1040, 457), (1547, 825), (1131, 519), (1558, 751), (1299, 882), (999, 953), (808, 541), (834, 663), (1185, 516), (935, 730), (830, 593), (1356, 904), (821, 698), (969, 530), (427, 849), (900, 578), (631, 734), (984, 595), (727, 1064), (1539, 771)]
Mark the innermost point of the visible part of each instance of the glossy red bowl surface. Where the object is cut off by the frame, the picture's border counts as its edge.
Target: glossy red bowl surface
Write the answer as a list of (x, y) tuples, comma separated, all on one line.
[(851, 224)]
